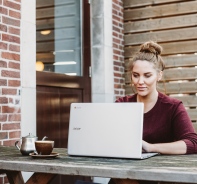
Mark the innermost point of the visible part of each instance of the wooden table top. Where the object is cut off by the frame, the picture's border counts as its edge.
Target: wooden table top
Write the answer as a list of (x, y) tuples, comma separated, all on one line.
[(180, 168)]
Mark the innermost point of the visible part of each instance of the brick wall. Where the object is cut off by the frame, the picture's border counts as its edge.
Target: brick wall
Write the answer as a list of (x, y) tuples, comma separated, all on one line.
[(10, 80), (118, 47)]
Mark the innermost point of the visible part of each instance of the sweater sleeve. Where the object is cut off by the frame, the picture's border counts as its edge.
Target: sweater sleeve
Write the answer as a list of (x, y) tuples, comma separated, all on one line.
[(183, 129)]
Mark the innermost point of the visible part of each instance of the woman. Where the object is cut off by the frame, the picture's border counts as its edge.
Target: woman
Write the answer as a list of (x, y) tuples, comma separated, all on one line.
[(167, 128)]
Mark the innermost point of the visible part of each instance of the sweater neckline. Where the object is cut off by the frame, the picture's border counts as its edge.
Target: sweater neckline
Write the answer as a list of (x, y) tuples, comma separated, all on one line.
[(150, 112)]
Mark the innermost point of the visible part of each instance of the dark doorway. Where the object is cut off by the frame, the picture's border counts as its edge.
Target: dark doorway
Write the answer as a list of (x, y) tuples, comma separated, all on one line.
[(56, 91)]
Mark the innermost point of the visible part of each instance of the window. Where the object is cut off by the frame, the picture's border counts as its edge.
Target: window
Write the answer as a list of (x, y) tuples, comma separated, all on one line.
[(59, 36)]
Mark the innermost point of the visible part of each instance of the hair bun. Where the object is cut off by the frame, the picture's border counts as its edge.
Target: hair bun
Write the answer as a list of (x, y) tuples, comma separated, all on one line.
[(151, 47)]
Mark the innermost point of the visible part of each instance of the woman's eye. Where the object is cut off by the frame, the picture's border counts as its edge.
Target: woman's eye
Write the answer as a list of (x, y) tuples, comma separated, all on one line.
[(134, 75), (147, 76)]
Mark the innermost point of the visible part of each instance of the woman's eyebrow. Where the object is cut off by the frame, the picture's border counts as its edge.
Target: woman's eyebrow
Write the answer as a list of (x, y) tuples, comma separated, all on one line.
[(144, 73)]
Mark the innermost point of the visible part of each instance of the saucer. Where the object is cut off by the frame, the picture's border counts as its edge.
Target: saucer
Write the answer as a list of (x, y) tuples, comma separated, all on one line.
[(52, 155)]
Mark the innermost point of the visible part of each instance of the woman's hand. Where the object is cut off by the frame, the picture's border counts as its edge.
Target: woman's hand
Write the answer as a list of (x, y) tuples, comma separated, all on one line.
[(147, 147), (175, 148)]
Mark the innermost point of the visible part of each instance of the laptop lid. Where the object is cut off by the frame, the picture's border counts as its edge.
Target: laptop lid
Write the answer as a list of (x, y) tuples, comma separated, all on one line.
[(106, 130)]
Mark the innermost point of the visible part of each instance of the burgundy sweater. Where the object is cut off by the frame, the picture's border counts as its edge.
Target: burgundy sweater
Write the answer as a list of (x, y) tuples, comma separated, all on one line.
[(166, 122)]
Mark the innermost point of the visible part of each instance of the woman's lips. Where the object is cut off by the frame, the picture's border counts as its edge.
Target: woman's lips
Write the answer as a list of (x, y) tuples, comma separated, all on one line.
[(141, 88)]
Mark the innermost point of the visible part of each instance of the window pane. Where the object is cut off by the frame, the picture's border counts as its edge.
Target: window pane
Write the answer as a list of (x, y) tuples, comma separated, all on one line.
[(58, 36)]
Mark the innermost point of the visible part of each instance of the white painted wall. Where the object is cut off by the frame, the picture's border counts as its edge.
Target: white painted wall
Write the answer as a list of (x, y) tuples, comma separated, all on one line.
[(28, 72), (102, 51), (102, 56)]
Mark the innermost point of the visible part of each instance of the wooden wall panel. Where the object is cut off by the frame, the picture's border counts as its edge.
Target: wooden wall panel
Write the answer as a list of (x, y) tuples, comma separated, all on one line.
[(171, 23), (138, 3), (161, 23), (160, 11), (162, 36), (184, 47)]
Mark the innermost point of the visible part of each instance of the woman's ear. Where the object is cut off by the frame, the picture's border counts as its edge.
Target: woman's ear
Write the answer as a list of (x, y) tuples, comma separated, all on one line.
[(160, 75)]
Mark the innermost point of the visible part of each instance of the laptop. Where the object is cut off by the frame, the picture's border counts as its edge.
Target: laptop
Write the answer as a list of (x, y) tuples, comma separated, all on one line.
[(106, 130)]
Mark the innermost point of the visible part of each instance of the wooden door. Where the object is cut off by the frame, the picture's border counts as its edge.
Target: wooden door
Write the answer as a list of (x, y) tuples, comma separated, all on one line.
[(55, 92)]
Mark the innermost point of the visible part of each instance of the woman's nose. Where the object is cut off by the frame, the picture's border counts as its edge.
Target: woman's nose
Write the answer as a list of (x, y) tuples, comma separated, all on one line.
[(141, 80)]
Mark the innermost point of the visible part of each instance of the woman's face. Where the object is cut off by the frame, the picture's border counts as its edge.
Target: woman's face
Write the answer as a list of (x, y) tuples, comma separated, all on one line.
[(145, 77)]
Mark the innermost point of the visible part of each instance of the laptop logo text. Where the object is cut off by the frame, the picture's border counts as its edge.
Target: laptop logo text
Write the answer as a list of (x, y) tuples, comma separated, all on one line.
[(76, 128)]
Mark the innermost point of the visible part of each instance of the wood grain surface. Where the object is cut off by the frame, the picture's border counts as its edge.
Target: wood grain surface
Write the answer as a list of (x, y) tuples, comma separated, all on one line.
[(180, 168)]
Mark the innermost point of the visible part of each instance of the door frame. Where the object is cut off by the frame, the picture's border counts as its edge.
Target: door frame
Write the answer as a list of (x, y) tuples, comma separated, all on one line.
[(62, 80)]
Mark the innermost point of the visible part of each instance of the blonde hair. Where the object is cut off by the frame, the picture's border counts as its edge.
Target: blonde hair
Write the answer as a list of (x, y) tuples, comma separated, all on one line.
[(151, 52)]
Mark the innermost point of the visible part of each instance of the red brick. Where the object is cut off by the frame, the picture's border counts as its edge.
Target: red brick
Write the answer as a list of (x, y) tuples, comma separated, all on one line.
[(116, 51), (121, 47), (11, 56), (12, 5), (114, 12), (3, 100), (117, 86), (115, 45), (10, 21), (14, 117), (8, 91), (15, 48), (116, 68), (114, 6), (9, 142), (117, 75), (7, 109), (121, 25), (13, 30), (10, 38), (15, 134), (121, 36), (115, 23), (14, 65), (121, 15), (114, 17), (11, 126), (3, 82), (3, 10), (116, 29), (116, 40), (3, 28), (14, 83), (116, 80), (117, 63), (116, 92), (115, 57), (3, 135), (3, 117), (3, 46), (12, 74), (14, 14), (115, 34)]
